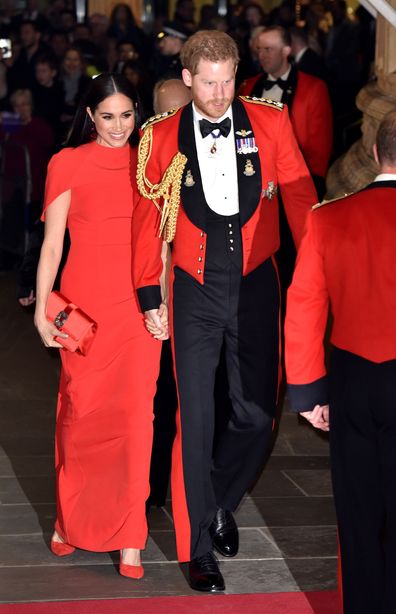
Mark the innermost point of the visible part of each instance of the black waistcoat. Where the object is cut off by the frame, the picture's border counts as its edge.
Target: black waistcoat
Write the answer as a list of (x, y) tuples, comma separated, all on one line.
[(224, 243)]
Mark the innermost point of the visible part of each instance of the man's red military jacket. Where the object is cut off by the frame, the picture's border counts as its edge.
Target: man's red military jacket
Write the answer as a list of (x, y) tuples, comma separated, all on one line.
[(311, 117), (346, 260), (277, 163)]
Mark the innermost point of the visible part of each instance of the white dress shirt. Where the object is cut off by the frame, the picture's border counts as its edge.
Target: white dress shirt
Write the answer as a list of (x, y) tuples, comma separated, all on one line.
[(276, 92), (299, 54), (218, 170), (386, 177)]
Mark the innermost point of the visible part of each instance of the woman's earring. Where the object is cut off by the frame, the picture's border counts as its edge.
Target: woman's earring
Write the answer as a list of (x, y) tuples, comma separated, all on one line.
[(93, 128)]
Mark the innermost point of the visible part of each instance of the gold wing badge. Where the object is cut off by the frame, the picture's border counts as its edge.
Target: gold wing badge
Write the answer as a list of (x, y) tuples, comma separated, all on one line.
[(168, 189)]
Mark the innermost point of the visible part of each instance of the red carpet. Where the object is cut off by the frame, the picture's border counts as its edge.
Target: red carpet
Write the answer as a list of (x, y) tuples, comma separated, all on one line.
[(324, 602)]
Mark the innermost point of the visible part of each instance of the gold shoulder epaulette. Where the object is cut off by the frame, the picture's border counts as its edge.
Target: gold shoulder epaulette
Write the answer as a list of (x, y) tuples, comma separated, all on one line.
[(267, 102), (331, 200), (158, 118)]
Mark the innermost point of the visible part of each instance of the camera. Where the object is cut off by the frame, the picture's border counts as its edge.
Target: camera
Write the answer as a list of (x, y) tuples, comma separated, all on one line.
[(6, 48)]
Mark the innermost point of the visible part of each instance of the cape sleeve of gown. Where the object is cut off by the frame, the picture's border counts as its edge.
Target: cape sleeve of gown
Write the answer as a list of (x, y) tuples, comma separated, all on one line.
[(60, 171)]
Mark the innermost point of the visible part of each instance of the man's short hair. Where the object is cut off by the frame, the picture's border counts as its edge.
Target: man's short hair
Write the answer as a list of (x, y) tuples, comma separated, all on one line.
[(49, 59), (299, 33), (210, 45), (386, 139), (29, 22), (283, 33), (21, 93)]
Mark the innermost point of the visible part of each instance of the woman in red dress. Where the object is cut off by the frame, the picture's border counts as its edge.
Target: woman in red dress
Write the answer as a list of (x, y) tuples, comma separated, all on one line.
[(104, 418)]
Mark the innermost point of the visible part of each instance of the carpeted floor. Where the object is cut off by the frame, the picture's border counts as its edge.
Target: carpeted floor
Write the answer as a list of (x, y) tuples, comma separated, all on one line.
[(324, 602)]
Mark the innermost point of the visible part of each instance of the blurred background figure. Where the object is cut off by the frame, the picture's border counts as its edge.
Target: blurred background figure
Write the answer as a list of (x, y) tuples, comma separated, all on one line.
[(184, 16), (48, 93), (126, 51), (33, 14), (59, 44), (36, 135), (342, 56), (207, 14), (166, 62), (68, 22), (124, 27), (74, 81), (142, 81), (170, 94), (305, 58), (26, 147), (53, 13), (21, 72), (99, 24)]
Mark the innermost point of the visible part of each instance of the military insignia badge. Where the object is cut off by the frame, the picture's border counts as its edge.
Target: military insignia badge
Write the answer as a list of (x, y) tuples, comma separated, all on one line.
[(249, 168), (189, 180), (270, 191)]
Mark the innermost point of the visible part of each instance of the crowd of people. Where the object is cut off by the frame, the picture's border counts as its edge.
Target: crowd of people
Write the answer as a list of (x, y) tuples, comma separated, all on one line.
[(54, 56), (322, 48), (229, 181)]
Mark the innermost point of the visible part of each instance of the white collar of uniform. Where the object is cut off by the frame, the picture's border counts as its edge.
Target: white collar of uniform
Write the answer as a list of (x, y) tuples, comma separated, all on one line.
[(299, 54), (283, 77), (197, 116), (386, 177)]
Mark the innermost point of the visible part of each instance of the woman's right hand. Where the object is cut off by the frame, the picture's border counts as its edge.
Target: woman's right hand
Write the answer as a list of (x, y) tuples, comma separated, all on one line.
[(48, 331), (156, 321)]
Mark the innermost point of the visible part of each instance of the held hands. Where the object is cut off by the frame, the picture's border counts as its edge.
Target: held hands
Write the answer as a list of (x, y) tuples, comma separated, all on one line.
[(156, 321), (318, 417), (47, 331)]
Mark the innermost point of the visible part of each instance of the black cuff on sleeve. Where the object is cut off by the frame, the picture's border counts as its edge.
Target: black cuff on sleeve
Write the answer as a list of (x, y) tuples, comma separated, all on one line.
[(149, 297), (304, 397)]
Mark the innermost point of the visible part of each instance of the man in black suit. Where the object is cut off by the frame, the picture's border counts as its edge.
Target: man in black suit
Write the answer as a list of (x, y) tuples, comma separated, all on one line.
[(22, 73), (305, 58), (343, 59)]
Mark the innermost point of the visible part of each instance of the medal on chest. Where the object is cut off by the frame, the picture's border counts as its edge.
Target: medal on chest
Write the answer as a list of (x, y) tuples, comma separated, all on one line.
[(245, 143), (213, 148)]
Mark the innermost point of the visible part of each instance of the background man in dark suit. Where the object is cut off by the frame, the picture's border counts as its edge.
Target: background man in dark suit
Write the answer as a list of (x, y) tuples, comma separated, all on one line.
[(305, 58), (347, 259)]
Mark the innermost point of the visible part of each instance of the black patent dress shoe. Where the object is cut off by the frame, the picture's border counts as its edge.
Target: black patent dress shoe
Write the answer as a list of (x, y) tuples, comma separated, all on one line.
[(204, 574), (224, 533)]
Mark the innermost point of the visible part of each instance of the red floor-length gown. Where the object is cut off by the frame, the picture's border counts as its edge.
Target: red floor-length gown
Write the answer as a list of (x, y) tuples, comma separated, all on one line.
[(104, 420)]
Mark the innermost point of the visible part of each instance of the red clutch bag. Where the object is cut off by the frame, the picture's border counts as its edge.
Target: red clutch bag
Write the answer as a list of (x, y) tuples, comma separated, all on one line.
[(70, 319)]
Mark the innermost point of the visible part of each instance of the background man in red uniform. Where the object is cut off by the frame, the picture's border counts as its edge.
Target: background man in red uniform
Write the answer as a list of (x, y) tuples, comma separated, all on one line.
[(224, 286), (306, 96), (308, 103), (347, 259)]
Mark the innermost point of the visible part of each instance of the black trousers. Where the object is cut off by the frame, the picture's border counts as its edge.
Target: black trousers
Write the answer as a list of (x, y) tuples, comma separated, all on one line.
[(363, 457), (242, 313)]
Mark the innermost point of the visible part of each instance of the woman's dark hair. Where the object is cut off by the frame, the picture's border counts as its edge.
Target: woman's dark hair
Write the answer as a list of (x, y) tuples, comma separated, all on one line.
[(116, 10), (102, 87)]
